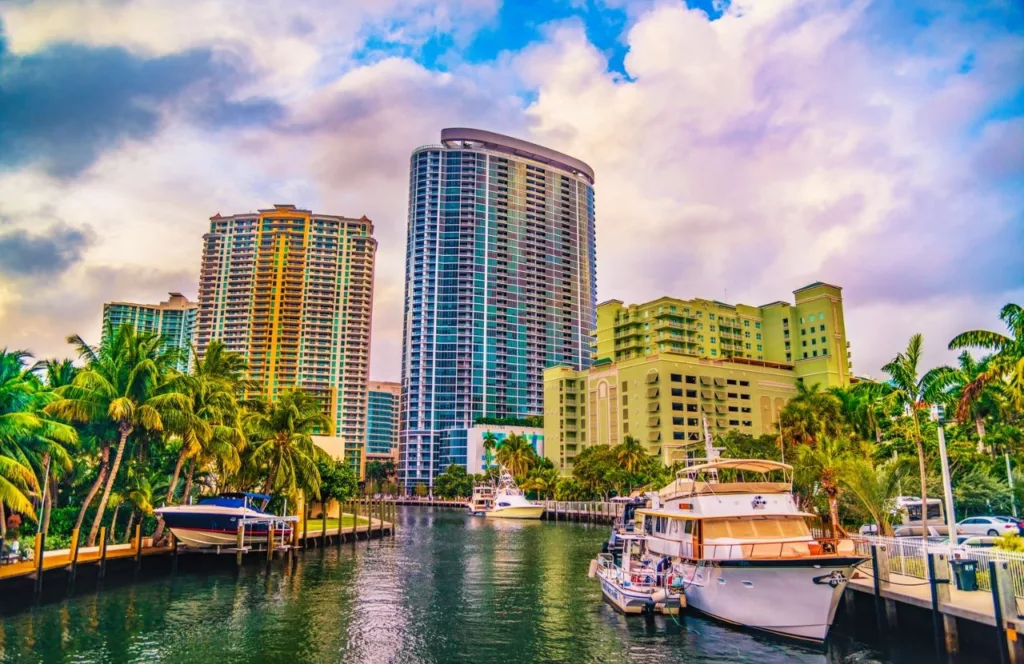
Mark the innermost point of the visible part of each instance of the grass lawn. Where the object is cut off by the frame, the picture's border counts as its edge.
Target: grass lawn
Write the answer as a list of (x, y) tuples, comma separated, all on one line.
[(332, 524)]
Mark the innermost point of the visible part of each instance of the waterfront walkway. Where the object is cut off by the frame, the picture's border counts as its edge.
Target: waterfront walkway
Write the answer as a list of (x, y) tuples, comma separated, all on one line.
[(975, 605)]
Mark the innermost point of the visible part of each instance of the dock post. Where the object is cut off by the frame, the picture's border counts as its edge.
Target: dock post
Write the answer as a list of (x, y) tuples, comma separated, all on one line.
[(239, 543), (174, 554), (40, 550), (934, 581), (323, 524), (103, 552), (74, 558), (341, 527), (942, 579), (876, 577), (380, 526), (891, 617), (270, 541), (138, 547), (1011, 649), (354, 506)]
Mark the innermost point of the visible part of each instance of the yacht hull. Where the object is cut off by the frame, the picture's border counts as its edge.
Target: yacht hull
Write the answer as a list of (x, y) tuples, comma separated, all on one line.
[(524, 512), (200, 526), (796, 599)]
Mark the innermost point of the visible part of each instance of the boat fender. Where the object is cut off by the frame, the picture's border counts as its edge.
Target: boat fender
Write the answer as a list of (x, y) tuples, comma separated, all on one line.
[(659, 596), (668, 580), (593, 569)]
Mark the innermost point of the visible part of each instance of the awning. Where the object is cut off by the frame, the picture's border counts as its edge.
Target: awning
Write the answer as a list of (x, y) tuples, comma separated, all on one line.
[(653, 407), (652, 392), (652, 377)]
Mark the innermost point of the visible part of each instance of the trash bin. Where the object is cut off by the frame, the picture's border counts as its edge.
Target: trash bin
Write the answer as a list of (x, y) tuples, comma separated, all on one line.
[(965, 573)]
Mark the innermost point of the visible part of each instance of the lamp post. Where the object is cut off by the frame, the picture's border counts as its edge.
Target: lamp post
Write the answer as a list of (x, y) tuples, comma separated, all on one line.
[(1009, 480), (947, 485)]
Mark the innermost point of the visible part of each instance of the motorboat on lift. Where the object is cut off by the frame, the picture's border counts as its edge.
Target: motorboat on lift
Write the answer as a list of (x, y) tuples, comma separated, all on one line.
[(634, 581), (743, 551), (214, 521), (482, 500)]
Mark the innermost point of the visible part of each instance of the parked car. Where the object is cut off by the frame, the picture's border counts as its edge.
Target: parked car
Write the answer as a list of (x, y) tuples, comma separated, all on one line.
[(993, 526)]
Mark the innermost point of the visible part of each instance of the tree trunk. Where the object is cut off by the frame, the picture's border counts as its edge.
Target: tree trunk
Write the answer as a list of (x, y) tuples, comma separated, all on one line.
[(126, 430), (44, 521), (188, 481), (131, 522), (100, 476), (113, 523), (878, 435), (924, 475), (980, 425), (3, 524), (268, 485), (53, 503), (833, 514), (170, 491)]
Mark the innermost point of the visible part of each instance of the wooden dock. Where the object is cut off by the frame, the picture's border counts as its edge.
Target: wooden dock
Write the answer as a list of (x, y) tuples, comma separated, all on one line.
[(582, 511), (370, 519), (997, 607)]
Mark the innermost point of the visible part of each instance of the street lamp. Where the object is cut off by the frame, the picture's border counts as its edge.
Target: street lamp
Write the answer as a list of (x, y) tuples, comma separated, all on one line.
[(947, 485)]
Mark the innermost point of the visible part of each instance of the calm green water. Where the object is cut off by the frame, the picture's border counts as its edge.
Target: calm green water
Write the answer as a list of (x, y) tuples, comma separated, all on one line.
[(448, 588)]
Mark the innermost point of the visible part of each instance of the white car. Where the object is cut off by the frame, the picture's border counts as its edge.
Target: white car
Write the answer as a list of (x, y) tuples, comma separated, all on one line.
[(993, 526)]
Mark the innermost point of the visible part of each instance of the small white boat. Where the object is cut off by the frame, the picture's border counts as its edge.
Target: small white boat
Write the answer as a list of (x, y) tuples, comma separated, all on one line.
[(482, 500), (635, 585), (510, 503)]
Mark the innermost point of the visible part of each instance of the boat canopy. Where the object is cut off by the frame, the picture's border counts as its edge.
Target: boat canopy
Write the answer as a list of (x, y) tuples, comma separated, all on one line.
[(763, 466)]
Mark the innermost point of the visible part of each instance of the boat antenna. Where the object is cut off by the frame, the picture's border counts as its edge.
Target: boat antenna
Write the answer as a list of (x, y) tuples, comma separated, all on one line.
[(709, 448)]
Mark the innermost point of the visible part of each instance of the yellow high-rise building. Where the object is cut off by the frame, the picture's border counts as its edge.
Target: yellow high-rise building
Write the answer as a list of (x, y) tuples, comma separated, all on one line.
[(292, 291), (666, 368)]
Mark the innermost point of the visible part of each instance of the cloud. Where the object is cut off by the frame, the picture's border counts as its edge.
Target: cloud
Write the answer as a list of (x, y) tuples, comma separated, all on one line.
[(790, 141), (48, 254), (66, 104)]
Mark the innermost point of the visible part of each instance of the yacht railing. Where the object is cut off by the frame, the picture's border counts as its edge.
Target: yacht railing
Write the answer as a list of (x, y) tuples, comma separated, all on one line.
[(781, 550)]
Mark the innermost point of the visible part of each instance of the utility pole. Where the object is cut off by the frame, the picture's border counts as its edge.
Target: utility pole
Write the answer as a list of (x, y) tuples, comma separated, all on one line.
[(947, 484), (1009, 480)]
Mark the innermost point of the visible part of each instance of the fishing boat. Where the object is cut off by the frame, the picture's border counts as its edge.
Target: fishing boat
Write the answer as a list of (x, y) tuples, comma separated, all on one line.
[(742, 550), (510, 503), (633, 582), (482, 500), (214, 521)]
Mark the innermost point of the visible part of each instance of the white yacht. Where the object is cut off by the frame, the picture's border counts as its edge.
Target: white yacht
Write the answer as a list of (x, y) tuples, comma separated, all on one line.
[(482, 500), (634, 581), (510, 503), (743, 553)]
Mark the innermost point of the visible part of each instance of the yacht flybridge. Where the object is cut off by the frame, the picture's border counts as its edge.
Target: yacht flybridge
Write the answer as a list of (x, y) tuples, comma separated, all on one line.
[(742, 551)]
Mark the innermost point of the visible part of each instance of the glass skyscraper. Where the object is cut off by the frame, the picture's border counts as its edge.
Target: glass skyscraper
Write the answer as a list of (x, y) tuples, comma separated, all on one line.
[(500, 284), (174, 320)]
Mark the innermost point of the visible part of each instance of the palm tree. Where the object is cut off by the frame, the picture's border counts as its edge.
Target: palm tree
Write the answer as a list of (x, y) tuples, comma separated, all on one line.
[(29, 438), (1007, 359), (126, 382), (811, 414), (962, 390), (875, 488), (824, 462), (490, 442), (630, 453), (282, 432), (210, 426), (860, 405), (516, 454), (910, 392), (542, 480)]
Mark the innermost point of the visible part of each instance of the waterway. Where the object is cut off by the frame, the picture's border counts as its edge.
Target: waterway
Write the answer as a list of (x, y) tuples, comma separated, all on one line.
[(447, 588)]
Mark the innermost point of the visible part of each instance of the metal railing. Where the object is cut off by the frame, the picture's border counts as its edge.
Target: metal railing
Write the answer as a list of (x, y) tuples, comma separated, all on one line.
[(909, 556)]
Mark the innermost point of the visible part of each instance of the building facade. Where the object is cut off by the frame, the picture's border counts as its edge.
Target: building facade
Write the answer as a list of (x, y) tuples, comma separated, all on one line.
[(665, 369), (174, 320), (465, 447), (292, 291), (382, 414), (500, 284)]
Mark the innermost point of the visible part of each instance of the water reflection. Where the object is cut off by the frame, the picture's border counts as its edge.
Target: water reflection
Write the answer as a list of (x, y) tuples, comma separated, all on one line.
[(449, 588)]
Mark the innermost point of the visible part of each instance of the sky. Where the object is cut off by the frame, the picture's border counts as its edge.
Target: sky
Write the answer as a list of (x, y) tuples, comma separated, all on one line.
[(742, 149)]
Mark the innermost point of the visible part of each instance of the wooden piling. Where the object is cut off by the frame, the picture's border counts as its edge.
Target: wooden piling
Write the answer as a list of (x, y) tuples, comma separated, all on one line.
[(103, 552), (323, 524), (934, 582), (174, 554), (239, 543), (270, 541), (138, 546), (1011, 648), (74, 558), (39, 551)]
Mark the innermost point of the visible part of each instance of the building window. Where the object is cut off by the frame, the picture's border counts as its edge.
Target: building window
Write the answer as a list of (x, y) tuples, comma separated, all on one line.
[(714, 352), (815, 353), (733, 409), (677, 391), (691, 394), (711, 317), (823, 340), (747, 423), (734, 423), (814, 342), (691, 408), (677, 406), (625, 400), (789, 357), (731, 395), (745, 409), (678, 435), (757, 324), (744, 383), (625, 384), (677, 421), (675, 378), (746, 323), (745, 397), (731, 381), (804, 342), (712, 340), (746, 335), (748, 346), (805, 355), (758, 336), (759, 348), (692, 380)]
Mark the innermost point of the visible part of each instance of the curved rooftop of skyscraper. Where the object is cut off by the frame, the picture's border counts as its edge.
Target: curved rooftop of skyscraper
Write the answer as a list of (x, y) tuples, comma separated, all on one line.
[(453, 137)]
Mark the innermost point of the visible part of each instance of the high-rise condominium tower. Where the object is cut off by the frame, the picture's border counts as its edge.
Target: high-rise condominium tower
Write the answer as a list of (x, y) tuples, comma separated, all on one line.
[(173, 319), (382, 410), (292, 291), (499, 285)]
